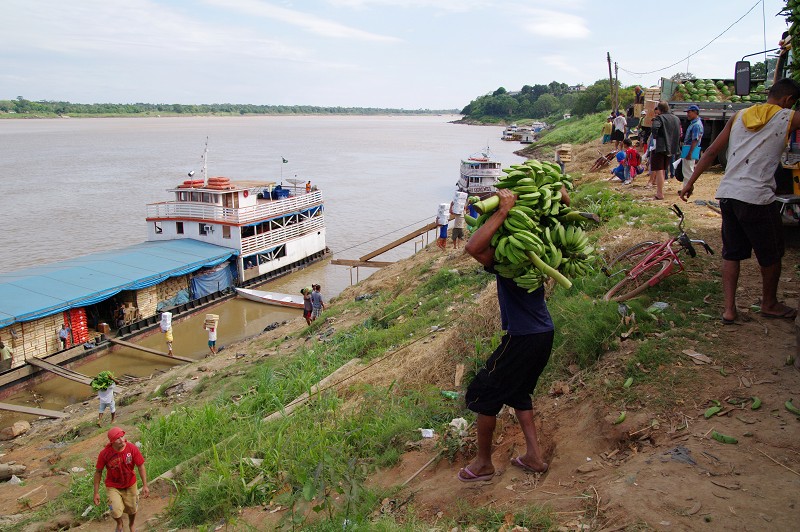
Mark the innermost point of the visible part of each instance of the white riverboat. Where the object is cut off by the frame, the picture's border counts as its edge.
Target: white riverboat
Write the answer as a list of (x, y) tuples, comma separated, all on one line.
[(274, 227), (479, 173)]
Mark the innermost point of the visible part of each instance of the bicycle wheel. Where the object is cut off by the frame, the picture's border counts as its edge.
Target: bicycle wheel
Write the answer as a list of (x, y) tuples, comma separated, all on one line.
[(632, 255), (630, 286)]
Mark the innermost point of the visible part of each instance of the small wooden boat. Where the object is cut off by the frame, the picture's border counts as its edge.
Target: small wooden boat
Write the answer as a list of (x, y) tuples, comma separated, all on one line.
[(271, 298)]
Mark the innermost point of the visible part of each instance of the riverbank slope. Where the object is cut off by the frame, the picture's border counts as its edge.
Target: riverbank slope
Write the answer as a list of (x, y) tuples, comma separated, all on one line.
[(659, 468)]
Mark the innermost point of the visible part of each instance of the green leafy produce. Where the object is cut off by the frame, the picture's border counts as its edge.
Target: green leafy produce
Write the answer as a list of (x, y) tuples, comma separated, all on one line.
[(103, 380), (541, 237)]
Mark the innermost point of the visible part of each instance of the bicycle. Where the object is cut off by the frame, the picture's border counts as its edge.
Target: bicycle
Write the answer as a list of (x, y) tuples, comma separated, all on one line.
[(648, 263)]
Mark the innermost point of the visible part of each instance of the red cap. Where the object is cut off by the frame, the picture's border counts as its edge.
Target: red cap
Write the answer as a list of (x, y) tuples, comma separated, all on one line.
[(115, 433)]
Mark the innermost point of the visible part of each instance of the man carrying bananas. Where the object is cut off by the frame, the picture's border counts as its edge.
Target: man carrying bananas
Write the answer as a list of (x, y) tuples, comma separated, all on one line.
[(510, 374)]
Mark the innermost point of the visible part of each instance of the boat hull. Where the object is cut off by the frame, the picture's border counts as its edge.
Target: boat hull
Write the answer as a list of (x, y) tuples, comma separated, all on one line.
[(271, 298)]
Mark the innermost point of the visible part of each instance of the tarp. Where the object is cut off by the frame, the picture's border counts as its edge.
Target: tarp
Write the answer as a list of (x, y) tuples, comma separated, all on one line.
[(211, 282), (39, 291)]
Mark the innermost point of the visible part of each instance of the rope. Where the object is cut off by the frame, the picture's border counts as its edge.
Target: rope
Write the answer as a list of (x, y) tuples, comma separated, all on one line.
[(372, 363)]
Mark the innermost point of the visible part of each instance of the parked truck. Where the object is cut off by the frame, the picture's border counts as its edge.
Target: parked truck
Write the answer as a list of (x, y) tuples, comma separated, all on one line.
[(720, 99), (716, 99)]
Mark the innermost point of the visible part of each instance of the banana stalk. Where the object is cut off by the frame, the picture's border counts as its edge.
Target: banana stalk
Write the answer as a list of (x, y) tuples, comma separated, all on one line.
[(549, 271)]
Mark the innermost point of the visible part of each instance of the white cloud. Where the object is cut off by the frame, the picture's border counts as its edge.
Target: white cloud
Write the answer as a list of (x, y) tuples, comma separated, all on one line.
[(561, 63), (555, 24), (311, 23), (455, 6)]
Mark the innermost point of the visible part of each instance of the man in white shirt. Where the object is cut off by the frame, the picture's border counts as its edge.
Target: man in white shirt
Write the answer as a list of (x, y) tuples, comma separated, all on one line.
[(106, 398)]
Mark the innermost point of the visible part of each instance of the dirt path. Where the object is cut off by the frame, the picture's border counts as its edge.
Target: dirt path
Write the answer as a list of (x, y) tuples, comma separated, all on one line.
[(659, 469)]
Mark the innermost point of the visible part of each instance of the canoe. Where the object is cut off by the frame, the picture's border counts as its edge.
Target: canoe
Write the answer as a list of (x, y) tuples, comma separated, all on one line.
[(271, 298)]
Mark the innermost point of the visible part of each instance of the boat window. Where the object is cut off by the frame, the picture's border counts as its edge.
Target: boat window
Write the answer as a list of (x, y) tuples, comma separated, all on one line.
[(158, 228), (226, 231), (195, 196), (203, 229), (183, 196), (207, 198), (179, 228)]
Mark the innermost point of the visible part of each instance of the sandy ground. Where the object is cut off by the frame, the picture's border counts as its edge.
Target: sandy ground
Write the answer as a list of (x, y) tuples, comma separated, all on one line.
[(658, 470)]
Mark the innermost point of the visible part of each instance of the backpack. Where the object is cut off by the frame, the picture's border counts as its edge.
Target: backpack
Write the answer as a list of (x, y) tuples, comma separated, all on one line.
[(635, 159)]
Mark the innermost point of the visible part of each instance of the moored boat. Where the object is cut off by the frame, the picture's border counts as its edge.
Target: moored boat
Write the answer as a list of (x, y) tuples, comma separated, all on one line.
[(272, 226), (479, 173), (271, 298), (214, 234)]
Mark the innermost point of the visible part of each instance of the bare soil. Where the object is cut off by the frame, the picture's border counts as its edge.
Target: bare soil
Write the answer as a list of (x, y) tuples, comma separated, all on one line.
[(659, 469)]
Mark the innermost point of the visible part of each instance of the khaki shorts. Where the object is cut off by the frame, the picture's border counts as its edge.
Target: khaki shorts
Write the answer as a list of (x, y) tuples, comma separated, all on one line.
[(123, 501)]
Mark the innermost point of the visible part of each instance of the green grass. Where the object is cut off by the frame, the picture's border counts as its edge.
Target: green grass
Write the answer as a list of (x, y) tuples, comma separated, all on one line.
[(316, 461), (574, 130)]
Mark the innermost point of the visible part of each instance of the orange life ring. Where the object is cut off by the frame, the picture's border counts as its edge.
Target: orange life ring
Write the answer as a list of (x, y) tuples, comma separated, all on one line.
[(246, 193)]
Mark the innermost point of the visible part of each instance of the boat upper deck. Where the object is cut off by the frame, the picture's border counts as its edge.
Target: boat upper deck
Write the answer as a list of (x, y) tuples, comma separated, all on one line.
[(238, 203)]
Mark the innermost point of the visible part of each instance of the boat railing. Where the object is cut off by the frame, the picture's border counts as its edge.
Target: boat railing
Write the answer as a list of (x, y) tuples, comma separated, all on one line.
[(242, 215), (484, 172), (272, 238)]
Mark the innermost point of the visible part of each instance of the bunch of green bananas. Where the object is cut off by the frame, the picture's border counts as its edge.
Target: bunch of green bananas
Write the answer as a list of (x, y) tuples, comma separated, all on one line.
[(541, 237)]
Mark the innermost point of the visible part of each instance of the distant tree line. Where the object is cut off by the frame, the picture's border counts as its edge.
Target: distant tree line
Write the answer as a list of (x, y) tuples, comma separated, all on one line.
[(542, 101), (23, 106)]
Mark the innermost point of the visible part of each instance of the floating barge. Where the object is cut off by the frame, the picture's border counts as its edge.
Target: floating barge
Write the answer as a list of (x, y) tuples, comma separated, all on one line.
[(211, 236)]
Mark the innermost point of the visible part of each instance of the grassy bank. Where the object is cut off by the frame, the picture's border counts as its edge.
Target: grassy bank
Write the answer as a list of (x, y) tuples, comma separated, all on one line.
[(410, 334)]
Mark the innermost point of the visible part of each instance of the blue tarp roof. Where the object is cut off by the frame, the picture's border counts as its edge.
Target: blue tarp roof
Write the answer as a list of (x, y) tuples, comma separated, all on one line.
[(33, 293)]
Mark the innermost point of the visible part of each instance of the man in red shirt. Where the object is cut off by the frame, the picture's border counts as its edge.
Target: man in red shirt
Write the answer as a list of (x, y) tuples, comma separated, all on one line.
[(119, 457)]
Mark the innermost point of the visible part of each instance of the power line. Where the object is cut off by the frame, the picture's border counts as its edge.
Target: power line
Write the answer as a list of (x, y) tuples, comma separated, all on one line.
[(696, 52)]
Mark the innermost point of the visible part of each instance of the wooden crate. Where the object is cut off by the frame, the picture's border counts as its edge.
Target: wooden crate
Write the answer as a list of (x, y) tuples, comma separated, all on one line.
[(564, 153)]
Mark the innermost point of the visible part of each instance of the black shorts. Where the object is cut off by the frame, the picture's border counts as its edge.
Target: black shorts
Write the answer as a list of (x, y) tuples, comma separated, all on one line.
[(457, 233), (659, 161), (747, 227), (510, 374), (617, 135)]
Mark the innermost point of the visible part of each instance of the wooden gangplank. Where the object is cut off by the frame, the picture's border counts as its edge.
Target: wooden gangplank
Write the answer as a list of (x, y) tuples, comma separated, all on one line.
[(34, 411), (402, 240), (60, 371), (367, 263), (149, 350)]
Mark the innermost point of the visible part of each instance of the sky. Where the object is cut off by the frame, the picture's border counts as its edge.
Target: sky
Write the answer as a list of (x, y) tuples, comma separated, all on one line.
[(409, 54)]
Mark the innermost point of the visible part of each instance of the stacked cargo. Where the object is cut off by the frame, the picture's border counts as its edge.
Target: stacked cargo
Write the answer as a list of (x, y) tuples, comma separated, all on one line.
[(212, 320), (75, 319), (709, 90)]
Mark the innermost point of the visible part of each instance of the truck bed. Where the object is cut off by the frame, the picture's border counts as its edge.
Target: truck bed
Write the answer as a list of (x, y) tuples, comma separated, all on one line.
[(710, 110)]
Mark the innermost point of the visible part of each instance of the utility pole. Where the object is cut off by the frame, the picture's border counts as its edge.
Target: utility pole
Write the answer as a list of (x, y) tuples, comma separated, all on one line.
[(616, 87), (610, 81)]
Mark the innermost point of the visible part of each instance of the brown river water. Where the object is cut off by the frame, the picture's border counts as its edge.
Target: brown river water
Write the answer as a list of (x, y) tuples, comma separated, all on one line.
[(69, 187)]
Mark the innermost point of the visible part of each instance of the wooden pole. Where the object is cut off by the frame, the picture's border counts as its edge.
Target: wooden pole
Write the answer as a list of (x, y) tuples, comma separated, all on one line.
[(616, 87), (610, 81)]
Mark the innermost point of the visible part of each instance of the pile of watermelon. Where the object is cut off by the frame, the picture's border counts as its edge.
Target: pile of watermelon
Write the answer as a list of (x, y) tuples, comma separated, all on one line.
[(707, 90)]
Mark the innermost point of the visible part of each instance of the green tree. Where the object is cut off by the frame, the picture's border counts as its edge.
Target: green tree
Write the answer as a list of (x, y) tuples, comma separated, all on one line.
[(587, 101), (545, 105)]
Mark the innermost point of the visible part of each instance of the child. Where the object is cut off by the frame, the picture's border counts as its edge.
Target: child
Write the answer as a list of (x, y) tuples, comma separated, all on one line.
[(212, 340), (619, 171), (106, 398), (632, 162)]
